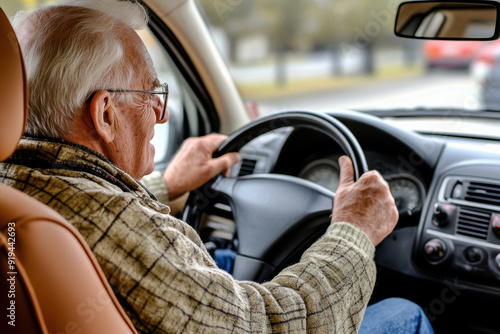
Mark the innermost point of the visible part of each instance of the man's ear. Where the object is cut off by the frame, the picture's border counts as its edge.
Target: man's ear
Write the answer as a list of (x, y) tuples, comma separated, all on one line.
[(103, 116)]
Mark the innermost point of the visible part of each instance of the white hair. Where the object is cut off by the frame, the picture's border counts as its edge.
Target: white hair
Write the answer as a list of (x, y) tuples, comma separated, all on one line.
[(70, 50)]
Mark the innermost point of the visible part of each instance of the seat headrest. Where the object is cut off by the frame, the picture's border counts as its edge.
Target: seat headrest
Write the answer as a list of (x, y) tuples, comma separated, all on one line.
[(13, 90)]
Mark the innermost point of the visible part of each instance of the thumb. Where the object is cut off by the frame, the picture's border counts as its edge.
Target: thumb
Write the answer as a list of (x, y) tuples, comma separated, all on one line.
[(346, 170)]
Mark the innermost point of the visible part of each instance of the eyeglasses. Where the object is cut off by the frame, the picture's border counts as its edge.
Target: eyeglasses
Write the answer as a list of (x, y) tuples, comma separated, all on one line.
[(161, 89)]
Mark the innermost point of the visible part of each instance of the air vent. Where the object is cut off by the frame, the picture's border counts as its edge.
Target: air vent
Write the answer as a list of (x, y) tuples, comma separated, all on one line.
[(247, 167), (485, 193), (473, 223)]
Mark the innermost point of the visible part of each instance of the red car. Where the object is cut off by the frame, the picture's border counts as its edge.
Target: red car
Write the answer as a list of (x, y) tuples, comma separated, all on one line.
[(450, 54)]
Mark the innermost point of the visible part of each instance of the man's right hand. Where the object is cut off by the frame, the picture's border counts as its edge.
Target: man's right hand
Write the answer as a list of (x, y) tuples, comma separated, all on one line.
[(366, 203), (193, 165)]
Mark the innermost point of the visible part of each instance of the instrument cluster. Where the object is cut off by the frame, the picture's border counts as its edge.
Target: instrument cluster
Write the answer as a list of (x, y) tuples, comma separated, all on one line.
[(408, 191)]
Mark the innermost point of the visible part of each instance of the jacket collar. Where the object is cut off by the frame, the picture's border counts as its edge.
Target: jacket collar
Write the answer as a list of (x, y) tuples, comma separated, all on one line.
[(57, 154)]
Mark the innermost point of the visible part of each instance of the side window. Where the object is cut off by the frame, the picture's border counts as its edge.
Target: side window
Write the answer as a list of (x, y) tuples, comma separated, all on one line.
[(186, 113), (164, 68)]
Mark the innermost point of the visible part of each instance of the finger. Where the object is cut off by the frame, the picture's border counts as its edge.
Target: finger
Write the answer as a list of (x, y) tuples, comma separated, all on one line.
[(224, 163), (346, 170), (214, 140)]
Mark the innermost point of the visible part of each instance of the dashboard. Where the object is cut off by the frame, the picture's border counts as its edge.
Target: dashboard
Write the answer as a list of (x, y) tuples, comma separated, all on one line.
[(446, 188), (429, 177)]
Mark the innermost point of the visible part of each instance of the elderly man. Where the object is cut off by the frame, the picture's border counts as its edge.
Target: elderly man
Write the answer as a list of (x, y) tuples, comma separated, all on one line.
[(94, 100)]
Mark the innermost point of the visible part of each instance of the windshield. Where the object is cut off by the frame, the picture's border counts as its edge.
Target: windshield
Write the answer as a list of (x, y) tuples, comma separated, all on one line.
[(343, 54)]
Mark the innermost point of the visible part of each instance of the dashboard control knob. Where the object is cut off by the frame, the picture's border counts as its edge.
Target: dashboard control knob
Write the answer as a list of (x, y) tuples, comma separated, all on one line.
[(473, 254), (435, 250), (441, 214), (497, 260), (495, 224)]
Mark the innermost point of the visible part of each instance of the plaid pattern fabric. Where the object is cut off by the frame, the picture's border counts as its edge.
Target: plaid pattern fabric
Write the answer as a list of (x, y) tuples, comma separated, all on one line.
[(160, 269)]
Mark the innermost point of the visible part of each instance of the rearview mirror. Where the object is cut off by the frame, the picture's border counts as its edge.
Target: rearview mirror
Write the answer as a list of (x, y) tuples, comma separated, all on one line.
[(448, 20)]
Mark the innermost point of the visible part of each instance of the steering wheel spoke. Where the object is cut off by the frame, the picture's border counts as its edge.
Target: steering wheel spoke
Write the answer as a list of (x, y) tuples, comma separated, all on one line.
[(266, 217)]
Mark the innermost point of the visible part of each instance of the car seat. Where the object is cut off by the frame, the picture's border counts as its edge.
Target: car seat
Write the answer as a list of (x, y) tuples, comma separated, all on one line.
[(50, 282)]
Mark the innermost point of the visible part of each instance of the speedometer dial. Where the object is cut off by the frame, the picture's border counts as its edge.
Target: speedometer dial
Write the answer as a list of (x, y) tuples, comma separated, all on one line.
[(407, 193), (324, 172)]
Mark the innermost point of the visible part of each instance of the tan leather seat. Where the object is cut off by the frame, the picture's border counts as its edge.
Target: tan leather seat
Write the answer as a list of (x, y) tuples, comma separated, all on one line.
[(50, 281)]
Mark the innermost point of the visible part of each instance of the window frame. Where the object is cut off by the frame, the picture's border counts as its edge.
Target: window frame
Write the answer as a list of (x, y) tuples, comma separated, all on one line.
[(208, 119)]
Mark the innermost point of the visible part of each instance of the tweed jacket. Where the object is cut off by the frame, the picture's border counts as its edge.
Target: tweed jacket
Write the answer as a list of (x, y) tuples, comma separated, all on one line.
[(160, 269)]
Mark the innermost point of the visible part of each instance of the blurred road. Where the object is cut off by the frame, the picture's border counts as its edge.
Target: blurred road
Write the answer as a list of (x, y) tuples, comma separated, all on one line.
[(440, 88), (315, 65)]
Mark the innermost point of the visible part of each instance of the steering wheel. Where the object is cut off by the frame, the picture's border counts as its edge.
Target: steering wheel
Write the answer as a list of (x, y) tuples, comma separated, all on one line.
[(277, 216)]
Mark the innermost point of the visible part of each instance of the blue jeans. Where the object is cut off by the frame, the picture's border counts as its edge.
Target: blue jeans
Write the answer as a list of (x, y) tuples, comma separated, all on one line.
[(395, 316), (224, 258)]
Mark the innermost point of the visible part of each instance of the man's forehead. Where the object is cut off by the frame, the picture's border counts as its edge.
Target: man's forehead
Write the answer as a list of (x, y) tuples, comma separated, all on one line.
[(140, 57)]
